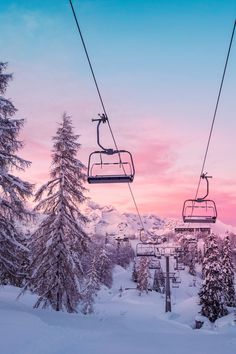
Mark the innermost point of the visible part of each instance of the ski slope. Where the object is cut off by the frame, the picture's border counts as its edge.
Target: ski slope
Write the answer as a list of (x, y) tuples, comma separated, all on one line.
[(123, 323)]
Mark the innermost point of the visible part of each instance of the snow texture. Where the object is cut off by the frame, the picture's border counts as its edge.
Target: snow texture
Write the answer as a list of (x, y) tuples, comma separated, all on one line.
[(121, 324)]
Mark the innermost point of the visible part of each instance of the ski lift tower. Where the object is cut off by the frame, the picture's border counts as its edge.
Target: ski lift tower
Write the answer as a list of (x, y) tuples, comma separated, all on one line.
[(147, 247), (168, 293), (167, 252)]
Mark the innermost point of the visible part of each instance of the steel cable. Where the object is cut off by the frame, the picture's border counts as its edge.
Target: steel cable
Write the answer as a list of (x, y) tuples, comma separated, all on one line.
[(103, 105)]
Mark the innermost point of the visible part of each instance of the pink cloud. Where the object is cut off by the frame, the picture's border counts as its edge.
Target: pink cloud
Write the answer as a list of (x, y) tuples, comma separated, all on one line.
[(154, 158)]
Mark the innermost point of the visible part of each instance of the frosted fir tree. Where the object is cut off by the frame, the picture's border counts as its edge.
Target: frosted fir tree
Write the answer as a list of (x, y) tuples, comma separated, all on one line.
[(159, 281), (207, 250), (228, 273), (124, 254), (103, 252), (134, 272), (199, 257), (58, 245), (192, 267), (192, 258), (143, 274), (156, 282), (91, 288), (211, 293), (105, 266), (13, 190), (185, 251)]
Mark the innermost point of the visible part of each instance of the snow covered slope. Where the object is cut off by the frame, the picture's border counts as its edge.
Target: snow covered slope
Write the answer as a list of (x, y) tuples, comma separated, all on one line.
[(121, 324)]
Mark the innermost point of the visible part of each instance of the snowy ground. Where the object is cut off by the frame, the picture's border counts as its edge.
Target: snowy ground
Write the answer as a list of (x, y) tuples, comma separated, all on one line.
[(126, 324)]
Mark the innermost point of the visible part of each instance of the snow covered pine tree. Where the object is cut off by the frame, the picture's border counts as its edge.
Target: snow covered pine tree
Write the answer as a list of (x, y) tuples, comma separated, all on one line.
[(58, 245), (13, 191), (211, 293), (228, 273), (124, 254), (143, 274), (159, 281), (92, 286), (105, 266)]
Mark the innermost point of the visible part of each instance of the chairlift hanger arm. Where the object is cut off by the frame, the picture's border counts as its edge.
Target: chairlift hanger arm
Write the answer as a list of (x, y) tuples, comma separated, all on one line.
[(204, 176), (103, 119)]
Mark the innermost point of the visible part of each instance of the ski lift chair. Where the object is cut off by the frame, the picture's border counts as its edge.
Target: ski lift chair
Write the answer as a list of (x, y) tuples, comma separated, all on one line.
[(200, 210), (119, 169), (146, 237), (154, 263), (143, 249), (108, 165)]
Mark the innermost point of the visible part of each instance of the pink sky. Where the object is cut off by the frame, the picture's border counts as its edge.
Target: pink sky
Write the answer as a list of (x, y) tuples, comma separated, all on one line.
[(159, 84), (162, 182)]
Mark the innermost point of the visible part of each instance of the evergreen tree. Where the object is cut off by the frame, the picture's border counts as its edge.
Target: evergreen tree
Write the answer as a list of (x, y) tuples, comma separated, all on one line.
[(134, 273), (143, 274), (192, 268), (103, 251), (59, 243), (156, 282), (91, 288), (207, 246), (105, 266), (124, 254), (159, 281), (211, 293), (13, 190), (199, 257), (192, 257), (228, 273), (185, 252)]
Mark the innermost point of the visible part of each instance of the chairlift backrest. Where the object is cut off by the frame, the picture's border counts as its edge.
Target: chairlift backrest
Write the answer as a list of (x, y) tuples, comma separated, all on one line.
[(143, 249), (154, 263), (117, 167), (199, 211)]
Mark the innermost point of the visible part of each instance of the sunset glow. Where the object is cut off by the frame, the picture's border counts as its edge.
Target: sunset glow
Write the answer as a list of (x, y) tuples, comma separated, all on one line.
[(158, 64)]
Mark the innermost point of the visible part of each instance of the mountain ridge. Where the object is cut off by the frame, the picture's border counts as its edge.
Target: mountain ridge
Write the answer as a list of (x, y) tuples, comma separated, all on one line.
[(109, 220)]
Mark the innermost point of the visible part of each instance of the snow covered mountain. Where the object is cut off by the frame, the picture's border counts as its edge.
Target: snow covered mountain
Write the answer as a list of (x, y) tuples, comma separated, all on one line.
[(107, 219)]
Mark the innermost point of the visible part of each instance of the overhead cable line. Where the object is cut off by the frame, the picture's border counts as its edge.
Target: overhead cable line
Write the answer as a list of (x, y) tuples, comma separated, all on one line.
[(103, 105), (216, 109)]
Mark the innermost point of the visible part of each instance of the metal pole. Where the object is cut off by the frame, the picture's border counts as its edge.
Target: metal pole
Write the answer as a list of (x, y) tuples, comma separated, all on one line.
[(168, 294), (177, 262)]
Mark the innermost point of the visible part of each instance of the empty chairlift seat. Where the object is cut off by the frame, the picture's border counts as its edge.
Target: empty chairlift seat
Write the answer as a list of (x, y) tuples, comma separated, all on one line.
[(143, 249), (154, 263), (199, 211), (110, 166)]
